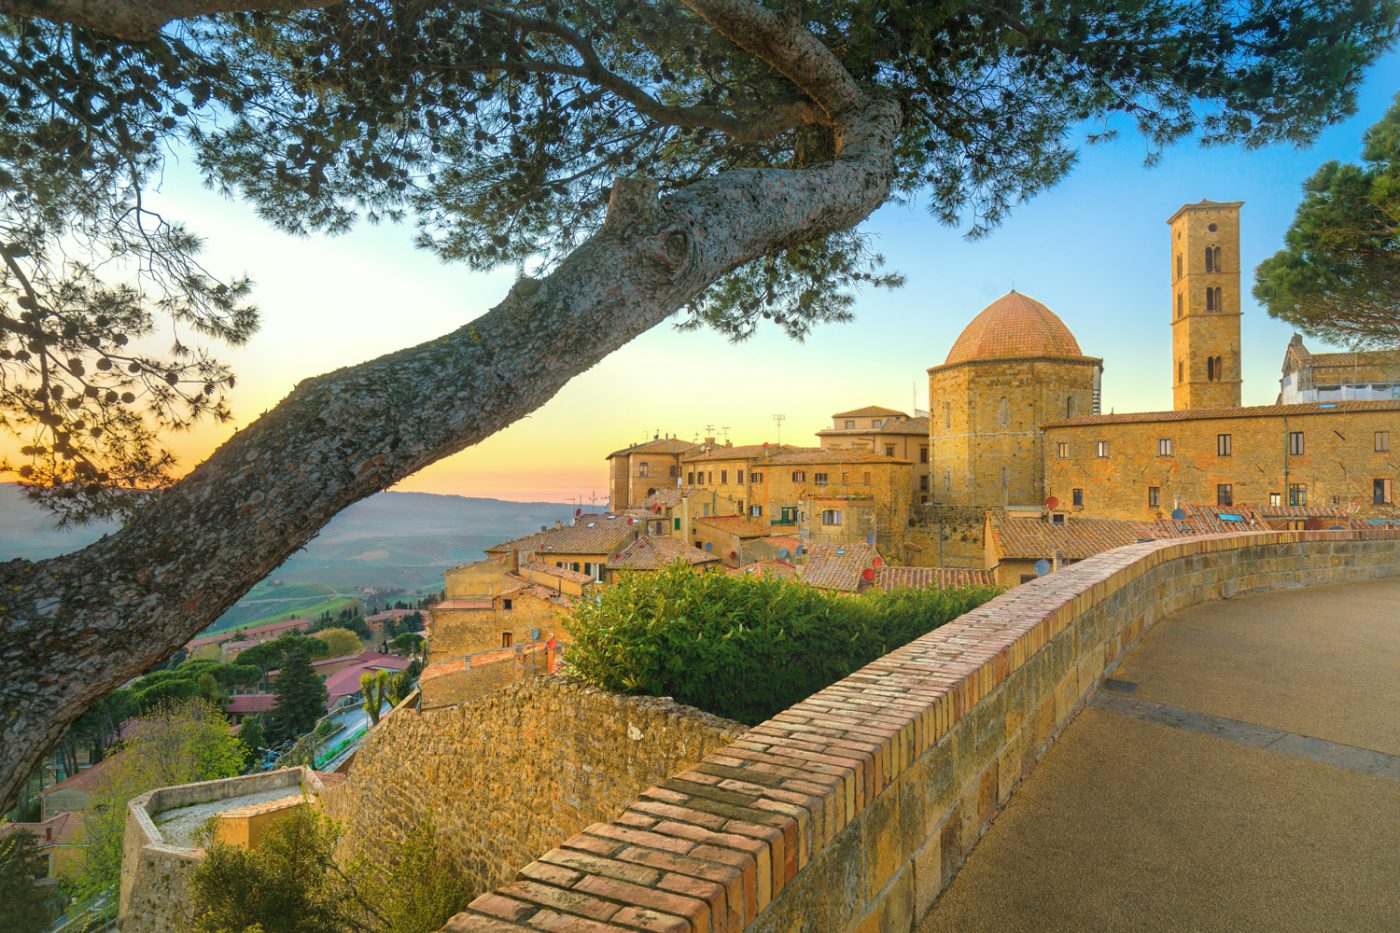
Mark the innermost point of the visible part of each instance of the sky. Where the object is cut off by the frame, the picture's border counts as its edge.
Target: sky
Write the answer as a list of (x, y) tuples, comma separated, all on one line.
[(1095, 249)]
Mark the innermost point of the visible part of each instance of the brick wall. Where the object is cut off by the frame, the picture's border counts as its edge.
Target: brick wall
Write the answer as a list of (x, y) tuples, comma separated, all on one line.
[(506, 777), (853, 809)]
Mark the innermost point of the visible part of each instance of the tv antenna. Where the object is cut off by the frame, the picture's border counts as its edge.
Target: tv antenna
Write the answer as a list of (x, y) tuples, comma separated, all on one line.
[(724, 429), (778, 421)]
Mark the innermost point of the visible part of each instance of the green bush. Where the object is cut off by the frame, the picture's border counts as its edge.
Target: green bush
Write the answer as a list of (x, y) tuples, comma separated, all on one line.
[(748, 646)]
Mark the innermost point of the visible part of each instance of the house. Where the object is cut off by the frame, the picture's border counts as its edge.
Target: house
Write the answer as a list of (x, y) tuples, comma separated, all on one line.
[(652, 553), (489, 605), (59, 841)]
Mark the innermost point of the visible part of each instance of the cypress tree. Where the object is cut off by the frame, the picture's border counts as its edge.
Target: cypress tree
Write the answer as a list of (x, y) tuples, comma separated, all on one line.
[(301, 697)]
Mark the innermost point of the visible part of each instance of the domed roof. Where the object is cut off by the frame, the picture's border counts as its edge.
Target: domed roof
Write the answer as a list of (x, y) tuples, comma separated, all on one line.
[(1014, 325)]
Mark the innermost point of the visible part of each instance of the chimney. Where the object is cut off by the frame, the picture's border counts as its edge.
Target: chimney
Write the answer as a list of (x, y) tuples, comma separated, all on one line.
[(709, 442)]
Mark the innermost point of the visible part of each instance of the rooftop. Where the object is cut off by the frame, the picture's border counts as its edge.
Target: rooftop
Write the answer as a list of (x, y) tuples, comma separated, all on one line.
[(871, 411), (833, 455), (740, 525), (838, 566), (657, 445), (904, 425), (252, 633), (1014, 326), (891, 578), (590, 534), (1248, 411), (742, 452), (655, 552)]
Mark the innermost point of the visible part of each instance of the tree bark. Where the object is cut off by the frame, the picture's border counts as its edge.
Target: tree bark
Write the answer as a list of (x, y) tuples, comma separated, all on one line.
[(75, 627)]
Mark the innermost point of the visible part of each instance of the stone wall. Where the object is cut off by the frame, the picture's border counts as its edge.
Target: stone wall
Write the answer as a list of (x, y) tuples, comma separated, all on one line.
[(154, 894), (853, 809), (506, 777)]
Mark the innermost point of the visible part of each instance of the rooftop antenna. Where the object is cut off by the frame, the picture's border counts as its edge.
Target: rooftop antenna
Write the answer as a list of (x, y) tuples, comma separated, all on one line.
[(709, 430), (725, 430), (778, 420)]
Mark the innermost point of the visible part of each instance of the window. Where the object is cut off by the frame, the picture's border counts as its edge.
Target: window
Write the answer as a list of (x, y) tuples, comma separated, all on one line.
[(644, 469), (1057, 518), (690, 478), (1297, 494), (740, 480), (574, 567), (1210, 258), (1215, 299), (799, 476), (889, 450), (1069, 406), (845, 477), (1077, 497), (947, 414), (788, 515), (506, 639), (1224, 447), (710, 477), (1178, 265), (923, 455), (1382, 442), (675, 524), (1381, 491), (675, 471), (1004, 411), (756, 511), (850, 425), (1101, 449), (1164, 446), (831, 516), (507, 605), (1154, 497), (1295, 443), (739, 504), (947, 480), (1062, 450), (1180, 371), (1211, 374), (724, 477), (1276, 499), (1219, 368), (819, 479), (923, 484), (755, 478), (1180, 304), (1224, 494), (866, 478)]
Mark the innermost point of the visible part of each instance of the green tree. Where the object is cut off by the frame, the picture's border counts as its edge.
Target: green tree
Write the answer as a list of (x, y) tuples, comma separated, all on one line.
[(339, 642), (253, 737), (291, 883), (301, 698), (709, 157), (406, 643), (375, 688), (270, 655), (28, 907), (1338, 275), (175, 743)]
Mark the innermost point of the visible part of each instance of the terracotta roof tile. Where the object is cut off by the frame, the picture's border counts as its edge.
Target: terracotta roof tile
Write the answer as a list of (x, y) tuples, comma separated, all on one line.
[(87, 779), (655, 552), (1013, 326), (1076, 539), (890, 578), (739, 525), (742, 452), (870, 411), (777, 568), (1251, 411), (905, 425), (833, 455), (837, 566), (563, 573), (663, 445), (590, 534)]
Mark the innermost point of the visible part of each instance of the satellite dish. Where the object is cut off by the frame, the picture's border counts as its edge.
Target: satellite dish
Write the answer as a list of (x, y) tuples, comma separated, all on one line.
[(709, 546), (733, 555), (870, 538), (867, 575), (578, 512), (840, 551), (1052, 503), (783, 552), (801, 550), (1179, 514), (534, 634), (877, 562), (1338, 528), (1042, 567)]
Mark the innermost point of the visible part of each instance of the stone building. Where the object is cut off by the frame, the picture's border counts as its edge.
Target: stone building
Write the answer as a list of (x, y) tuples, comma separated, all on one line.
[(1206, 305), (1015, 368), (490, 606), (889, 432), (1338, 377), (1313, 458), (640, 470)]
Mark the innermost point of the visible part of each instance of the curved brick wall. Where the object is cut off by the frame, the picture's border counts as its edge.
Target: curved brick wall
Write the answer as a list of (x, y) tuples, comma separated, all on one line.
[(854, 808)]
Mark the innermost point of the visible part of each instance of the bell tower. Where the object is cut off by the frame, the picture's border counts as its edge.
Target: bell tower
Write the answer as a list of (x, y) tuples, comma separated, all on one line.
[(1206, 305)]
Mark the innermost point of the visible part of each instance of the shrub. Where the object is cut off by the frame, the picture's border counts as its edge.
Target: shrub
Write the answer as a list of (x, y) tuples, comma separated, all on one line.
[(747, 646)]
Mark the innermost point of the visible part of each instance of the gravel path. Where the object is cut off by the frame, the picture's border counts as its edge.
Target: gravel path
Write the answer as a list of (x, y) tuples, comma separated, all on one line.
[(179, 826)]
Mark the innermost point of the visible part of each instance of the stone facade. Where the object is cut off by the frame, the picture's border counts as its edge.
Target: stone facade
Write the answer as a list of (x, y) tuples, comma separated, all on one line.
[(1337, 377), (853, 810), (643, 469), (889, 432), (505, 778), (1318, 456), (1206, 305)]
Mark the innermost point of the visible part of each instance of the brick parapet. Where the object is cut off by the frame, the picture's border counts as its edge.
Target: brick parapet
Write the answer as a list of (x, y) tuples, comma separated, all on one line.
[(853, 809)]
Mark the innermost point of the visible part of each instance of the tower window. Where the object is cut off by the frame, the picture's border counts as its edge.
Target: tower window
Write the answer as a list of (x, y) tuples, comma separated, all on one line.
[(1178, 265), (1180, 371), (947, 480), (947, 414), (1210, 299), (1180, 304), (1210, 259), (1069, 406), (1004, 411), (1210, 368)]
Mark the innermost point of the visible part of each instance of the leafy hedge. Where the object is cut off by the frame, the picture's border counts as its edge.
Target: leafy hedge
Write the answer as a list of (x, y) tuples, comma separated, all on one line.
[(747, 646)]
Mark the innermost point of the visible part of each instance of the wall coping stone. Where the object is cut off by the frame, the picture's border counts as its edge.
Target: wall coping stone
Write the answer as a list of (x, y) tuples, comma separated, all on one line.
[(711, 847)]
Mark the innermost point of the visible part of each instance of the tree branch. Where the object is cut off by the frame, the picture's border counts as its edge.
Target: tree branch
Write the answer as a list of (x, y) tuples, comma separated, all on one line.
[(140, 20), (74, 627)]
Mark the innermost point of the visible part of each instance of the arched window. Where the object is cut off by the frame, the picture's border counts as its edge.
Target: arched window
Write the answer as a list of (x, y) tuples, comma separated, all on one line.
[(1004, 411), (1210, 299), (1210, 259), (1219, 368), (1219, 298), (1210, 368), (1180, 304), (1180, 371), (1215, 258), (1069, 406), (1178, 265)]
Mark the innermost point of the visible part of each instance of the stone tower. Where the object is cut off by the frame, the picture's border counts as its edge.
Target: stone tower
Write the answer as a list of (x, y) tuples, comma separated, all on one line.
[(1206, 305), (1015, 368)]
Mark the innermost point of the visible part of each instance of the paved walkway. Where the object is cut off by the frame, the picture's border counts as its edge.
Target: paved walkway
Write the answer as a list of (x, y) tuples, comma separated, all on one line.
[(1240, 771)]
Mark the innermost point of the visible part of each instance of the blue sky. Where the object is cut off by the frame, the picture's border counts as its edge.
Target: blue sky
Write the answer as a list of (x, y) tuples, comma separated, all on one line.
[(1094, 249)]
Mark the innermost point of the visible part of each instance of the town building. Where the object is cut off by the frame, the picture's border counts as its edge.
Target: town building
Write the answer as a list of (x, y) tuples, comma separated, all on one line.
[(1372, 375), (1205, 239), (640, 470), (889, 432), (650, 553), (488, 605)]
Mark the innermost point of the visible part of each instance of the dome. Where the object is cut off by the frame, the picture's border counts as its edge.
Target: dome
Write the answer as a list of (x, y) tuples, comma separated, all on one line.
[(1014, 325)]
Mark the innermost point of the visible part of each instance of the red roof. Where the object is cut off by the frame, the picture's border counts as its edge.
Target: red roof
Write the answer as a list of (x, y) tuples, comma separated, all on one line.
[(254, 633), (246, 703), (1014, 326), (85, 780), (59, 829), (346, 682)]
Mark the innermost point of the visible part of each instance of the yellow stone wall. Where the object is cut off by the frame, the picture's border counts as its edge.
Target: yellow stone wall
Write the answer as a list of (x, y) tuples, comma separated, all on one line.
[(1198, 333), (1338, 464), (633, 477), (911, 447), (970, 443), (458, 632)]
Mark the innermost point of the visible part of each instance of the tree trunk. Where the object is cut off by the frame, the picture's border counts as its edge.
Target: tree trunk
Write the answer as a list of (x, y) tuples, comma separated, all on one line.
[(75, 627)]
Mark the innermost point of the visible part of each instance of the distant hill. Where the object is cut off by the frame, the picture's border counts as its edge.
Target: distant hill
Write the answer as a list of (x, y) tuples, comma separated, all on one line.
[(393, 539)]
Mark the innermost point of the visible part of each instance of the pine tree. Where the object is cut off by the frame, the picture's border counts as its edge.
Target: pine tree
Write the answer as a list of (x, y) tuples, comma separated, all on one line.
[(301, 698)]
